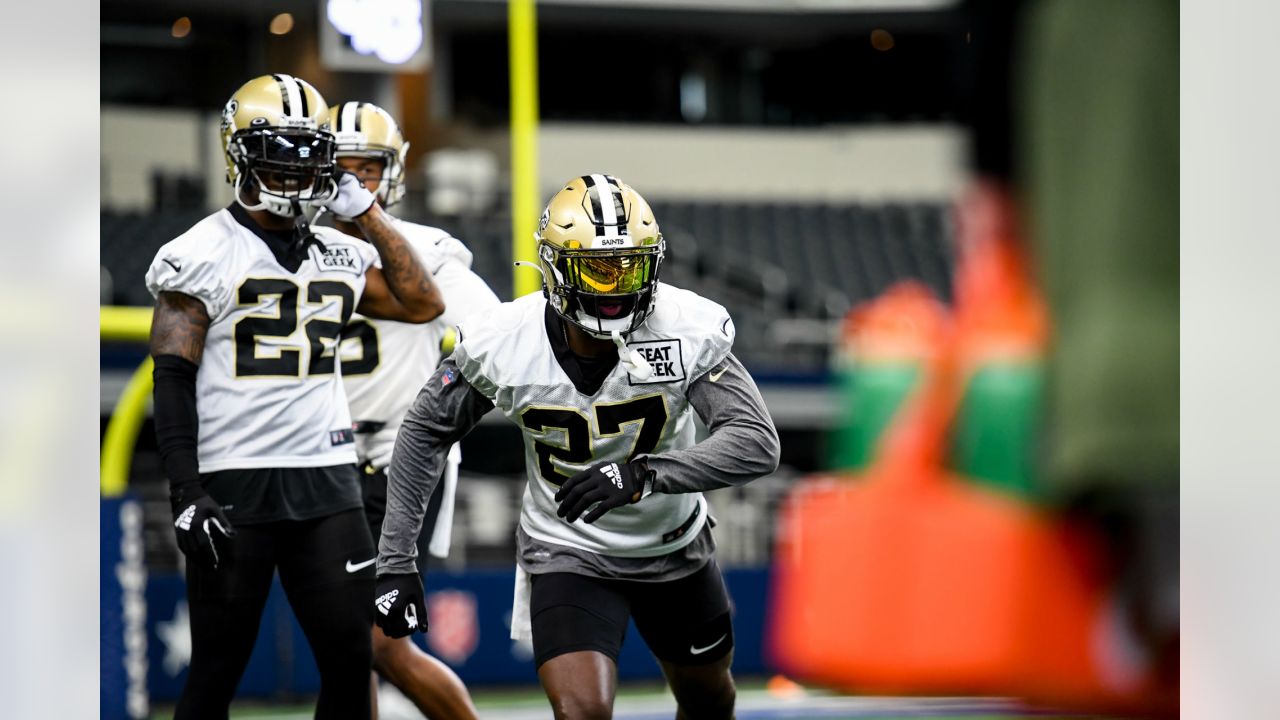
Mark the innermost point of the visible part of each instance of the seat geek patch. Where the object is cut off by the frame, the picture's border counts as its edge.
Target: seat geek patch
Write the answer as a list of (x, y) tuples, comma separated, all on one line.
[(665, 359), (339, 257)]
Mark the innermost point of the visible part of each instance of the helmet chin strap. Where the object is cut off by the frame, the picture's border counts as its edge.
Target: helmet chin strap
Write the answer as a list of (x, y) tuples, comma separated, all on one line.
[(302, 232), (637, 367), (535, 266)]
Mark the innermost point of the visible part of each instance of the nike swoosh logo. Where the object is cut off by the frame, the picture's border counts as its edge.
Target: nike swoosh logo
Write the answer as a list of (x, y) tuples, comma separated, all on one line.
[(698, 651), (176, 267), (716, 375), (360, 566)]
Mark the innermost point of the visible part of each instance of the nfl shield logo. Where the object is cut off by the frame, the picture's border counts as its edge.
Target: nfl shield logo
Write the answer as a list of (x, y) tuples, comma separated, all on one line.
[(454, 623)]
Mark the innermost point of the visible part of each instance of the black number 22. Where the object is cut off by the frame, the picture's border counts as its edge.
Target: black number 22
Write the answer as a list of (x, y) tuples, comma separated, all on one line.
[(287, 361)]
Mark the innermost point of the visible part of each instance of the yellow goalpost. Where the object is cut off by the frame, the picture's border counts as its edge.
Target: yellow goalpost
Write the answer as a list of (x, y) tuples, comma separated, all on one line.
[(124, 324)]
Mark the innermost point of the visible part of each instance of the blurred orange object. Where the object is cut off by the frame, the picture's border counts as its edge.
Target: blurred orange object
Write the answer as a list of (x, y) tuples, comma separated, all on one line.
[(782, 687), (905, 322), (926, 584), (909, 580), (906, 578)]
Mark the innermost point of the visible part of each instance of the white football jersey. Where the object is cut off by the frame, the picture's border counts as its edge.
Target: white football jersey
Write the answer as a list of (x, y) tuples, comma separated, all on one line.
[(385, 363), (268, 392), (507, 356)]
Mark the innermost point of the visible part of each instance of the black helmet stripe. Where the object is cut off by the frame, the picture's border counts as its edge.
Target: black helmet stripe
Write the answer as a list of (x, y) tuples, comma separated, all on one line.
[(623, 219), (302, 93), (606, 201), (292, 98), (594, 197)]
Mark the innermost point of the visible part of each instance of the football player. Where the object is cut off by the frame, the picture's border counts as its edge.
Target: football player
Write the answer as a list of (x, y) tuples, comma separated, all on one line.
[(603, 372), (252, 422), (384, 363)]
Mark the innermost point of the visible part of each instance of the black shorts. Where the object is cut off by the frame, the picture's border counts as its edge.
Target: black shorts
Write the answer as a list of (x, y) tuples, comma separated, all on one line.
[(374, 492), (684, 622), (308, 554)]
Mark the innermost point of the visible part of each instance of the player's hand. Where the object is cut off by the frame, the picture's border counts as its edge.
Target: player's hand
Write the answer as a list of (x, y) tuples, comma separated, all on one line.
[(400, 608), (351, 199), (202, 528), (609, 484)]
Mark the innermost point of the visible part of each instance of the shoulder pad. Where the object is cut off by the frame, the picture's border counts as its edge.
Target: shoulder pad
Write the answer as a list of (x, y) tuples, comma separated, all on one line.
[(481, 335), (194, 263), (704, 324)]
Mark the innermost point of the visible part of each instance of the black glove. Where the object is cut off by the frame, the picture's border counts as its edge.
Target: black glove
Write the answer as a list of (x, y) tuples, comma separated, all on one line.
[(610, 484), (201, 526), (401, 610)]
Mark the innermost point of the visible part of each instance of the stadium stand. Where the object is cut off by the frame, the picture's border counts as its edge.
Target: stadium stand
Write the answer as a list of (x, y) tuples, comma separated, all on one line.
[(773, 263)]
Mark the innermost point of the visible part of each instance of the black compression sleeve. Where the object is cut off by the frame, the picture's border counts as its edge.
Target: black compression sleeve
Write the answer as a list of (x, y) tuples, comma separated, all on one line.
[(177, 424)]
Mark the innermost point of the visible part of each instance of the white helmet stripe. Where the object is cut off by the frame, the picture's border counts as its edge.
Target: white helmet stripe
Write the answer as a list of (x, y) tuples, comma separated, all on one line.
[(350, 117), (291, 94), (608, 213)]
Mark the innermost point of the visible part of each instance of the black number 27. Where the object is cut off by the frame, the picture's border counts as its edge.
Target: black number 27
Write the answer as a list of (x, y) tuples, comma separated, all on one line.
[(649, 411), (287, 361)]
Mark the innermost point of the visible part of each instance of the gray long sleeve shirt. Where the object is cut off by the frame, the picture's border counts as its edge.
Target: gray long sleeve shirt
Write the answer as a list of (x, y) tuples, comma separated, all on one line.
[(742, 445)]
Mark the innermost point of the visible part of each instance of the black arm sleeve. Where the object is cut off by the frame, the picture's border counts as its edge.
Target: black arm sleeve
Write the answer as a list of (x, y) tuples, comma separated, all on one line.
[(445, 410), (177, 424)]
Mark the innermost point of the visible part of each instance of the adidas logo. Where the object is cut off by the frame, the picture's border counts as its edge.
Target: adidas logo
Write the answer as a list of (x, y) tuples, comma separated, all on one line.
[(611, 471), (385, 602), (184, 520)]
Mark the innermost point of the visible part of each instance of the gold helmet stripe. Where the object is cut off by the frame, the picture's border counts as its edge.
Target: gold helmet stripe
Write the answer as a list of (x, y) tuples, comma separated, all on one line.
[(292, 96)]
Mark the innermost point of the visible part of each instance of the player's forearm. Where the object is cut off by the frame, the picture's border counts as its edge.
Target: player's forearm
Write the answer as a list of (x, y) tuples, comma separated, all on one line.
[(407, 278), (176, 420), (178, 329), (441, 415), (743, 444), (416, 466)]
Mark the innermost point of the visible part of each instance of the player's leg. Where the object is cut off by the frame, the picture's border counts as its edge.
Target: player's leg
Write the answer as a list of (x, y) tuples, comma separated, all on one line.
[(695, 645), (580, 685), (432, 686), (373, 492), (225, 609), (327, 576), (703, 692), (578, 626)]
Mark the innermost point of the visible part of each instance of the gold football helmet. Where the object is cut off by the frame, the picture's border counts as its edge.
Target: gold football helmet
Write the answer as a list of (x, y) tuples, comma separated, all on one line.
[(367, 131), (600, 250), (275, 135)]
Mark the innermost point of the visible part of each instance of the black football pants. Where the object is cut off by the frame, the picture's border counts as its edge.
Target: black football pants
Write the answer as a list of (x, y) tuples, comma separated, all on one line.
[(329, 583)]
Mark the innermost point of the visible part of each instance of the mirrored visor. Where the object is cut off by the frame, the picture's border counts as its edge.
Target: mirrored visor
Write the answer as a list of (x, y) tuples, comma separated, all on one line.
[(289, 148), (294, 163), (616, 273)]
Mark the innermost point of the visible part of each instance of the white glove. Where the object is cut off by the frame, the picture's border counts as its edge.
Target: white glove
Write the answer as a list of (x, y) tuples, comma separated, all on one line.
[(350, 200)]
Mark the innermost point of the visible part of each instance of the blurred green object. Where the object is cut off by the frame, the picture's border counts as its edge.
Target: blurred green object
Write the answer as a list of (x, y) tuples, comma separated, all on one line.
[(870, 394), (887, 345), (1100, 169), (995, 433)]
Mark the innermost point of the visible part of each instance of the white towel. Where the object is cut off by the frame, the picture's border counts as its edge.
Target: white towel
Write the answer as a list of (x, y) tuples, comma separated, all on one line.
[(443, 532), (521, 622)]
